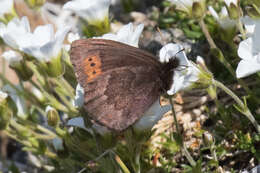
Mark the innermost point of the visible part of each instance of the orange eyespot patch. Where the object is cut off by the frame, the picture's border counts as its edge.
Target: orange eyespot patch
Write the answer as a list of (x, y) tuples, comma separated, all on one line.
[(92, 67)]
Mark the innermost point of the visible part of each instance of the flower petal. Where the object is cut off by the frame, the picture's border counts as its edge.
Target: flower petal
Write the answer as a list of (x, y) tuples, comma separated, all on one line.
[(12, 57), (42, 35), (249, 24), (173, 51), (213, 12), (256, 36), (127, 34), (245, 49), (246, 68), (91, 11), (151, 116), (79, 98), (6, 7)]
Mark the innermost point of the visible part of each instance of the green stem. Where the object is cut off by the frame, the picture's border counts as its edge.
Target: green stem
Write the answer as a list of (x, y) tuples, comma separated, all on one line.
[(241, 28), (188, 156), (45, 130), (121, 164), (24, 142), (67, 103), (213, 152), (67, 86), (174, 116), (184, 148), (28, 144), (19, 127), (3, 68), (25, 93), (137, 159), (242, 106), (206, 33), (222, 59)]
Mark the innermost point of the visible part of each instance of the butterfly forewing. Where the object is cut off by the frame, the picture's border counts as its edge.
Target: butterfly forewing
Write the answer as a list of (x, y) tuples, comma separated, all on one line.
[(120, 81)]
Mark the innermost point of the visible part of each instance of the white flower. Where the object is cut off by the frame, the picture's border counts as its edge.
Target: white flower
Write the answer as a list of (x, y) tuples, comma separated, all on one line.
[(249, 52), (223, 18), (73, 36), (44, 44), (184, 5), (6, 7), (126, 35), (151, 116), (16, 33), (19, 101), (12, 57), (2, 26), (3, 95), (90, 10), (79, 98), (228, 2), (53, 13), (184, 77), (250, 24)]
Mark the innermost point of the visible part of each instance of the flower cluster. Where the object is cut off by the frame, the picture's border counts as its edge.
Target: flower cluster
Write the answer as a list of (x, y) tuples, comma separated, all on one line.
[(47, 111), (249, 50)]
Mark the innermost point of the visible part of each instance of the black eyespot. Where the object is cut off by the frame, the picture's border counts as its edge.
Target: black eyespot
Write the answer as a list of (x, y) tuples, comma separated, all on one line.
[(94, 72), (92, 64)]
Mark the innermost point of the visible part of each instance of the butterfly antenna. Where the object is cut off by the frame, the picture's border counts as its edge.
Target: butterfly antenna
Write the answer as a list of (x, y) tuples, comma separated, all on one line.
[(180, 51)]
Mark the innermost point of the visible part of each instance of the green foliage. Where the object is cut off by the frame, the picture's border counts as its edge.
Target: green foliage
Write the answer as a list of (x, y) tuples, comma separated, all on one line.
[(232, 130)]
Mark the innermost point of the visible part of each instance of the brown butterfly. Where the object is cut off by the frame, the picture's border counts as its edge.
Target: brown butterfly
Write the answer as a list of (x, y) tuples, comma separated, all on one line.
[(120, 82)]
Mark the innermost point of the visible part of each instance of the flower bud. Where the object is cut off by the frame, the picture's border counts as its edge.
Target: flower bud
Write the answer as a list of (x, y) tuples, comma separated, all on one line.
[(207, 138), (253, 12), (52, 116), (35, 4), (94, 15), (5, 116), (54, 67), (17, 63), (5, 113), (96, 28), (233, 11), (198, 10), (7, 11)]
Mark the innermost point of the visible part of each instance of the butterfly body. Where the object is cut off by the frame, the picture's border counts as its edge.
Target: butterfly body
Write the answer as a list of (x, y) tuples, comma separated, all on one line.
[(120, 82)]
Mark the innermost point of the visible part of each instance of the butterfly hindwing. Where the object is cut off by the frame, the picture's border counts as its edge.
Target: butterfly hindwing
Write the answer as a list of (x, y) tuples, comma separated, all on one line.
[(120, 81)]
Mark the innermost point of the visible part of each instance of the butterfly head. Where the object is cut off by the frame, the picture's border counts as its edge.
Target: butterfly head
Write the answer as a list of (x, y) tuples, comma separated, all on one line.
[(167, 73)]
